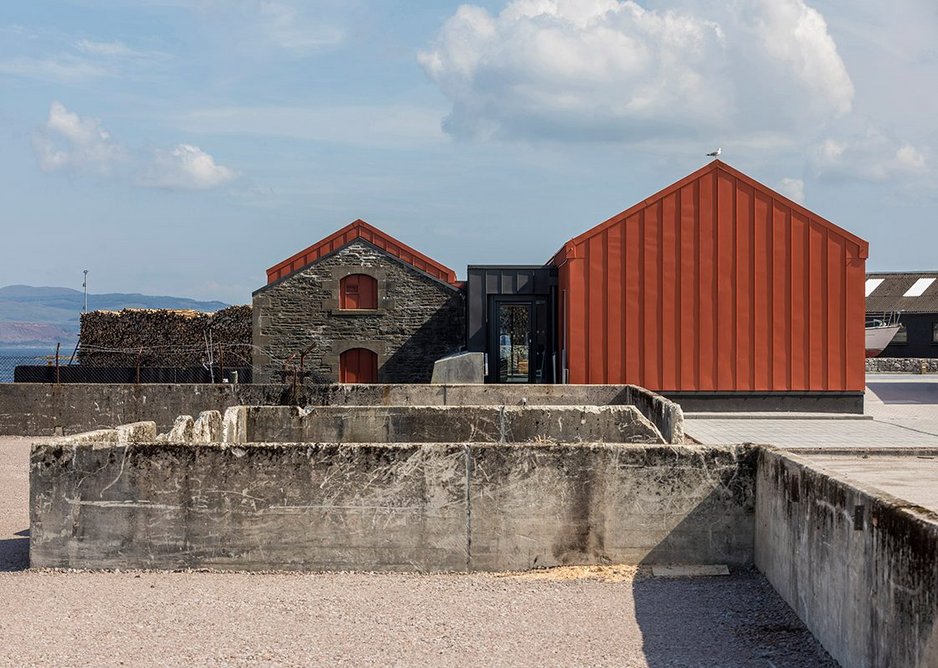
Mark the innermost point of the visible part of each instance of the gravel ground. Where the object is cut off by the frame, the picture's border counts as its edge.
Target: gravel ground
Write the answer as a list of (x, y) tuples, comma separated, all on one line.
[(596, 617)]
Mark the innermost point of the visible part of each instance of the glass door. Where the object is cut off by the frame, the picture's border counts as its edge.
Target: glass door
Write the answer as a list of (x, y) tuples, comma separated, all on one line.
[(514, 342), (519, 331)]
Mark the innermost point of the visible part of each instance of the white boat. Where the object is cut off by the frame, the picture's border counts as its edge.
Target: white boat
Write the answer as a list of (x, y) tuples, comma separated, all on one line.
[(880, 330)]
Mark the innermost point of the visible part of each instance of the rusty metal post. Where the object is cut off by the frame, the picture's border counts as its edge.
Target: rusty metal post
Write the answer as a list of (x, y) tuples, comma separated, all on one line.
[(57, 376)]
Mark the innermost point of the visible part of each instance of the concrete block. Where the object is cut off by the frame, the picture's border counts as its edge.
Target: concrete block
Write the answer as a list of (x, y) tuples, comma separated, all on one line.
[(136, 432), (449, 424), (182, 430), (551, 505), (683, 571), (207, 428), (108, 436), (576, 424), (407, 507), (856, 564), (459, 368), (301, 506), (234, 425)]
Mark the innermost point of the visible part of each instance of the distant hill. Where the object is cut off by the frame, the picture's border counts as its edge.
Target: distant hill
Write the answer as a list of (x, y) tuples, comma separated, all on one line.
[(42, 315)]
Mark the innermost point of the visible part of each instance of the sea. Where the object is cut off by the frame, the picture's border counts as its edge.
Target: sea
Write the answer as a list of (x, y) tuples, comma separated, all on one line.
[(14, 356)]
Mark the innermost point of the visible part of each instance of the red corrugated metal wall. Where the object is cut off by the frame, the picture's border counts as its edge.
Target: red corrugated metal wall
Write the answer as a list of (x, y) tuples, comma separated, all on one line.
[(715, 284)]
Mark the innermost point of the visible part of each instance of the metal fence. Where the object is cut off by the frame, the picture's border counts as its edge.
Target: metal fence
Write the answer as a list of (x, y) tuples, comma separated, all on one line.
[(160, 364)]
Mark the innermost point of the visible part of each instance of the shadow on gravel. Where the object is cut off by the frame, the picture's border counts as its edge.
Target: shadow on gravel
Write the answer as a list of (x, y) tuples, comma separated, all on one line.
[(14, 552), (735, 620)]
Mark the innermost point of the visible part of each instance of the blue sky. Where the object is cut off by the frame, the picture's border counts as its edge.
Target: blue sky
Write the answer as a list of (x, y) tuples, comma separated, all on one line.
[(182, 147)]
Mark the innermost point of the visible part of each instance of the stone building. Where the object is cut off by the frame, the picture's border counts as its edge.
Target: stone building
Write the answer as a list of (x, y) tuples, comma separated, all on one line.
[(358, 306)]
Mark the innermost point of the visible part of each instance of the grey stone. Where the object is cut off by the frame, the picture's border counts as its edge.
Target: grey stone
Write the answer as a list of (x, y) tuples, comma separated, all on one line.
[(459, 368), (182, 430), (207, 428), (419, 319), (136, 432), (234, 425)]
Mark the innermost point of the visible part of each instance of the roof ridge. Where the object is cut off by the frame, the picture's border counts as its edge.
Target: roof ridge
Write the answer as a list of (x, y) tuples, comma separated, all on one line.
[(360, 229)]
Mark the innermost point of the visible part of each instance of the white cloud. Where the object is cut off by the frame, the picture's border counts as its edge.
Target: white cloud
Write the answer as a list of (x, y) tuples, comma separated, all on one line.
[(871, 154), (186, 167), (60, 69), (68, 141), (611, 69), (116, 50), (286, 27), (792, 189)]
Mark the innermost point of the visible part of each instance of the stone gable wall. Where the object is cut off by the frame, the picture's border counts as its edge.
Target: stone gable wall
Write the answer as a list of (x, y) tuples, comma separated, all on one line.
[(418, 319)]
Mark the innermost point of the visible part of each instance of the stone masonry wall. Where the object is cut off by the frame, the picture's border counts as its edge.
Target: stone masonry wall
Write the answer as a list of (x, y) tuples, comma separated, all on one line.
[(901, 365), (418, 319)]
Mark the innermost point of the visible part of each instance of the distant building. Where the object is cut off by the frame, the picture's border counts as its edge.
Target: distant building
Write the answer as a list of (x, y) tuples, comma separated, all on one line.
[(717, 291), (360, 307), (914, 296)]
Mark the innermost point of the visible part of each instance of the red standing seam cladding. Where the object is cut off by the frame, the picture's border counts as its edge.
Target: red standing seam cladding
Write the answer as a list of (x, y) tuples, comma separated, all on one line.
[(716, 283)]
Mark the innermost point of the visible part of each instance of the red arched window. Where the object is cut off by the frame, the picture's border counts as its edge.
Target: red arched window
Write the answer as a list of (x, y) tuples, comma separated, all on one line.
[(358, 291), (358, 365)]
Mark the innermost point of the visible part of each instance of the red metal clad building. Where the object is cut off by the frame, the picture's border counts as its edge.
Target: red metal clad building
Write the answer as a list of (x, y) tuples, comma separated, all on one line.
[(716, 285)]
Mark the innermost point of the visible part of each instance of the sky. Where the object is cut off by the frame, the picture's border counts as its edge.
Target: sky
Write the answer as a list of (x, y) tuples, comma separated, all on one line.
[(182, 147)]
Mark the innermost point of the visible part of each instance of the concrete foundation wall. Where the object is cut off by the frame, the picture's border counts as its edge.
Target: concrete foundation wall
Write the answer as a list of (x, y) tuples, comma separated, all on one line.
[(408, 507), (440, 424), (38, 409), (41, 409), (858, 566)]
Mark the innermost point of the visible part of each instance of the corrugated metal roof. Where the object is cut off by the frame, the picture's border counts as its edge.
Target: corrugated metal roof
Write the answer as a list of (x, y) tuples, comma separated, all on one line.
[(890, 294), (715, 166)]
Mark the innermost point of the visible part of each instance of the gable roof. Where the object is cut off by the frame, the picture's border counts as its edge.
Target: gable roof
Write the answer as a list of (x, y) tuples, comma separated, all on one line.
[(567, 250), (356, 230), (886, 292)]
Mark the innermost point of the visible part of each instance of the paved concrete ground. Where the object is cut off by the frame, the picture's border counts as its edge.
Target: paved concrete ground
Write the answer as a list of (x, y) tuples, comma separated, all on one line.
[(903, 409), (900, 411), (145, 618), (913, 478)]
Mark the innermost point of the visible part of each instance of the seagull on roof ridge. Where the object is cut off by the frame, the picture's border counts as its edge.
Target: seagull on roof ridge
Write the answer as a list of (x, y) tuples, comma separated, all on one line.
[(716, 154)]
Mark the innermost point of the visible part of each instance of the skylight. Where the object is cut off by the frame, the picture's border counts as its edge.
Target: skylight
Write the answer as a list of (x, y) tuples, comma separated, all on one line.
[(872, 284), (919, 287)]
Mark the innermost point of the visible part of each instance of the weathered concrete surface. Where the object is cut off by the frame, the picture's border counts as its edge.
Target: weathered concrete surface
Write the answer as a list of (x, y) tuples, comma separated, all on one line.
[(459, 368), (309, 507), (207, 428), (561, 504), (38, 409), (441, 507), (910, 474), (859, 566), (182, 430), (439, 424)]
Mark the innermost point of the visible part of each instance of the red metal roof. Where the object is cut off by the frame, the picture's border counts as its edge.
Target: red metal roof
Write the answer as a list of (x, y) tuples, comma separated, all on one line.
[(359, 229), (713, 166)]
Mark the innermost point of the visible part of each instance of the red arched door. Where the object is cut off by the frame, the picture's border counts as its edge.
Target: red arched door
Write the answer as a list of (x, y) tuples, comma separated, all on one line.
[(358, 365)]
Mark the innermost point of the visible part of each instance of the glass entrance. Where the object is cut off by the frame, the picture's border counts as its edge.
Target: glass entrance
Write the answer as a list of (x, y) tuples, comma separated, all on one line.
[(520, 334), (514, 326)]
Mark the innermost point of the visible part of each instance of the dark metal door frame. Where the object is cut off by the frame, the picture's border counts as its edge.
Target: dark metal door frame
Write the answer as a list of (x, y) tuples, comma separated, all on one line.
[(532, 301)]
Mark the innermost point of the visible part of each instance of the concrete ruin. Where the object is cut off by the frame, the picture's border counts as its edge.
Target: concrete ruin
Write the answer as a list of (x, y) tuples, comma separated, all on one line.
[(491, 487)]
